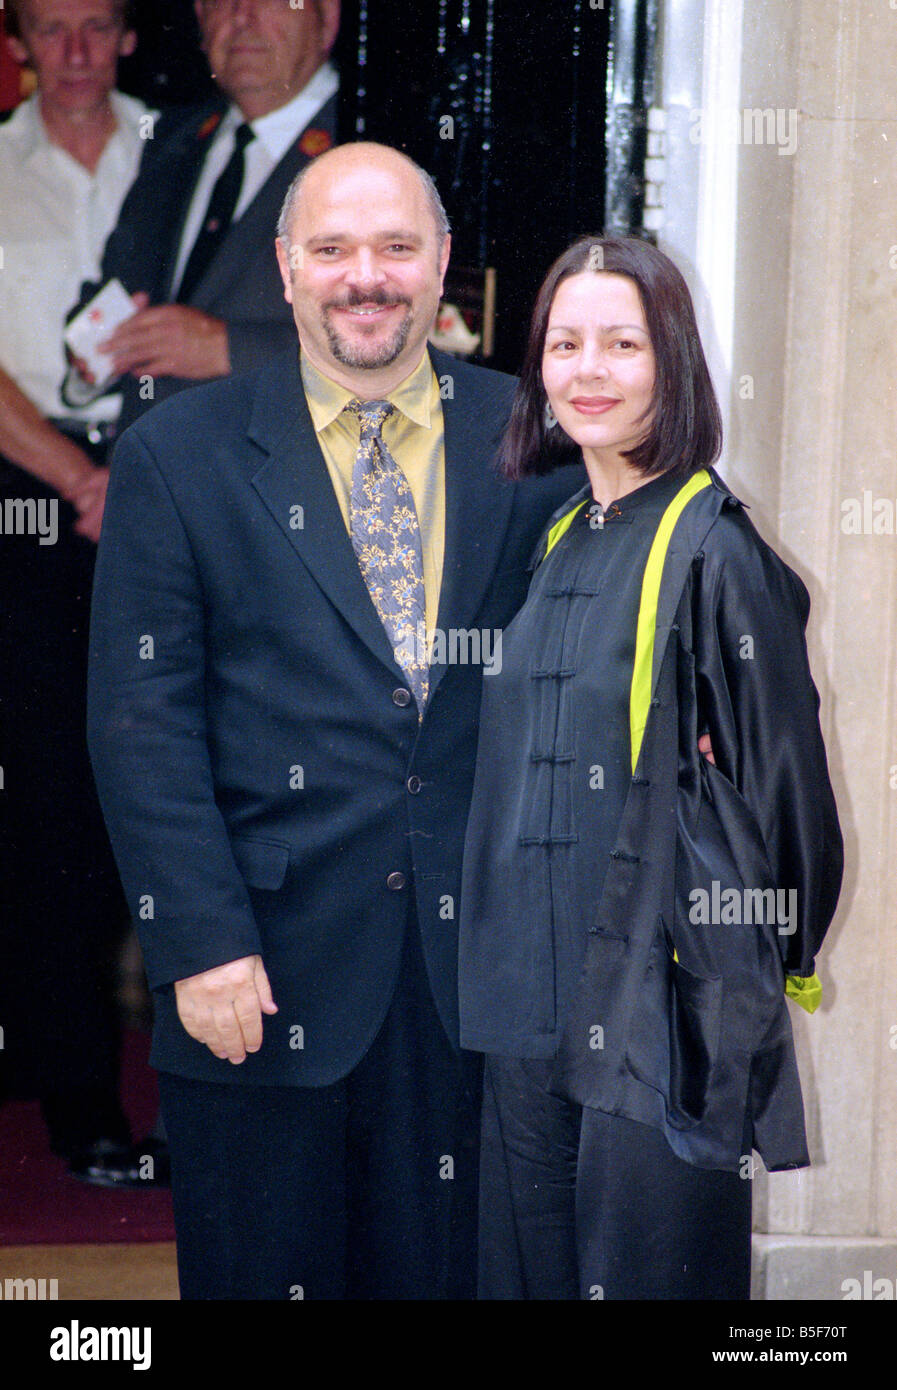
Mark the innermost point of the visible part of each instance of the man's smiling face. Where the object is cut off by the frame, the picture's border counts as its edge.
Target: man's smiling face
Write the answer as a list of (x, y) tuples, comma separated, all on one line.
[(365, 267)]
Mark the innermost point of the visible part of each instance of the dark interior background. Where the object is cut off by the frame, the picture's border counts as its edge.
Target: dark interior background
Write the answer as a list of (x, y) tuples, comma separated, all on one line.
[(524, 172)]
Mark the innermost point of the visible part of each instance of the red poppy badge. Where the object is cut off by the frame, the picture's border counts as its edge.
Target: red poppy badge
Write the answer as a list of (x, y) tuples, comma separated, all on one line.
[(208, 125), (315, 142)]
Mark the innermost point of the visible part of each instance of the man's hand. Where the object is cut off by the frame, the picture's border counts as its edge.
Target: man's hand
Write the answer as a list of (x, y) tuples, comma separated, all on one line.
[(170, 340), (223, 1007), (89, 500), (705, 747), (140, 299)]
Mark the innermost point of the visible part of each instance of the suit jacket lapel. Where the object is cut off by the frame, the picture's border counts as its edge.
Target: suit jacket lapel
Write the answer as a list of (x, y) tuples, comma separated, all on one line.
[(196, 142), (293, 475), (477, 501)]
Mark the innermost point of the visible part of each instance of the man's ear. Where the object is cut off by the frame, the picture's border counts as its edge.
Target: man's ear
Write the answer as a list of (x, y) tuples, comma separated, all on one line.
[(329, 14), (17, 49), (283, 261), (444, 254), (128, 44)]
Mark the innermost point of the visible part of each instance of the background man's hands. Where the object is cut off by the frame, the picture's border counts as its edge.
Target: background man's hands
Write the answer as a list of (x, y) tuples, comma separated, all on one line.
[(223, 1007), (170, 340), (89, 500)]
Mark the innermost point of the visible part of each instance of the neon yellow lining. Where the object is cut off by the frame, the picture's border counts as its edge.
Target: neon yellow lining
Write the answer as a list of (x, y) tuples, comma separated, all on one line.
[(640, 693), (561, 527), (805, 990)]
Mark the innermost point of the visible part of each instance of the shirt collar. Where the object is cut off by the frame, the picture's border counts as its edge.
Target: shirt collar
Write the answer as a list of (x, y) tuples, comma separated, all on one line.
[(29, 127), (278, 129), (414, 396), (26, 126), (129, 111)]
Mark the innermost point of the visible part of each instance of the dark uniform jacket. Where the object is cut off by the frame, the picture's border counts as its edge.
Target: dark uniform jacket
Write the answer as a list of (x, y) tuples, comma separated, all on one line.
[(242, 284), (266, 782), (680, 1018)]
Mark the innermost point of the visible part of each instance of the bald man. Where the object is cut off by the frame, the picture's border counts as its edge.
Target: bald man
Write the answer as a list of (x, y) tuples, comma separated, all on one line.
[(302, 581)]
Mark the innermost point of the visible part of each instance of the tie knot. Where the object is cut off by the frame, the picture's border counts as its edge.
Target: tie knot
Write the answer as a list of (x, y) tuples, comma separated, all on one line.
[(371, 414), (242, 136)]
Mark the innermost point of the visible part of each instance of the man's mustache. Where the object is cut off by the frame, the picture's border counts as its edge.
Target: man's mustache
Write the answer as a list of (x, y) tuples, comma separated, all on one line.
[(356, 298)]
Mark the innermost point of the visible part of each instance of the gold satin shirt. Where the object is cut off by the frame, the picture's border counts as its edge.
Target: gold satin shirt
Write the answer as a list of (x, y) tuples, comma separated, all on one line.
[(414, 435)]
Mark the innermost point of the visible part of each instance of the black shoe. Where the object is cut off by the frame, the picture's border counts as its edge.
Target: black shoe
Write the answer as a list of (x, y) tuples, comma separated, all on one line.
[(106, 1163)]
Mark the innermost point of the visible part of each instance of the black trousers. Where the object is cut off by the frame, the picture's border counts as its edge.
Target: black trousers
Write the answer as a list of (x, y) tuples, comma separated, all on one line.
[(578, 1204), (62, 910), (365, 1189)]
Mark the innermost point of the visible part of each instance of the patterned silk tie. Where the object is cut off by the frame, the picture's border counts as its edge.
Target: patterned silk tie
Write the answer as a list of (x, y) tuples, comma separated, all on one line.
[(387, 541)]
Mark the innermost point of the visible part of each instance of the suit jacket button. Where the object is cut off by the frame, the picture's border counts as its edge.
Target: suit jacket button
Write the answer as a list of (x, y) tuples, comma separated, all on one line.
[(414, 784), (401, 696), (396, 882)]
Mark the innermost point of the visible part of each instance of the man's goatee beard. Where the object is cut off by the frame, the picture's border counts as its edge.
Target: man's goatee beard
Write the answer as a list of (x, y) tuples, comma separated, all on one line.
[(360, 358)]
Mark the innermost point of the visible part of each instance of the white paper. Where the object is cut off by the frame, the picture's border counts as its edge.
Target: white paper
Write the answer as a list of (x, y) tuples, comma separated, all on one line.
[(95, 323)]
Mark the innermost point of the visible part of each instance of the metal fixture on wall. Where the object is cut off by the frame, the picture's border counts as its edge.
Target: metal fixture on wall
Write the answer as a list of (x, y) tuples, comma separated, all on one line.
[(631, 124)]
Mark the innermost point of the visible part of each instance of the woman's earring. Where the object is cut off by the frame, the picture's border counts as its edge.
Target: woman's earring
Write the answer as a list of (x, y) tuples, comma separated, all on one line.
[(550, 418)]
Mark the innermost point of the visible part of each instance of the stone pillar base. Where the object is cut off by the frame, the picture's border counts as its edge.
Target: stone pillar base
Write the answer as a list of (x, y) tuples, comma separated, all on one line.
[(804, 1267)]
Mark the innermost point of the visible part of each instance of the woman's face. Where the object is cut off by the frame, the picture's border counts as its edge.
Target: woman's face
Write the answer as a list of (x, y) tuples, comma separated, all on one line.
[(598, 363)]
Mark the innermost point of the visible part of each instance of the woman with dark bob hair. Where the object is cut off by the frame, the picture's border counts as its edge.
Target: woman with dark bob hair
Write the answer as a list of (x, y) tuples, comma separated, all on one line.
[(653, 854)]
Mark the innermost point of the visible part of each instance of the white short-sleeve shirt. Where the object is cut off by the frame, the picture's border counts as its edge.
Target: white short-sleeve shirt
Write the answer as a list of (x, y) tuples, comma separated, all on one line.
[(55, 217)]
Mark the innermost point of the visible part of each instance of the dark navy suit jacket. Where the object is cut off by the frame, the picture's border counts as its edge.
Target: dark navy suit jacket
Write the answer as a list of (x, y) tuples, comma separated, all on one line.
[(262, 780)]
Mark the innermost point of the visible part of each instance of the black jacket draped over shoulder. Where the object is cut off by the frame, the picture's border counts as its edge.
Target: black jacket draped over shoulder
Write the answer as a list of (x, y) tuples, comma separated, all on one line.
[(680, 1018)]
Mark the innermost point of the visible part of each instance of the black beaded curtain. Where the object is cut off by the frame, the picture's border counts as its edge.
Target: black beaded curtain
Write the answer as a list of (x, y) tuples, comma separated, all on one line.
[(504, 104), (168, 67), (503, 101)]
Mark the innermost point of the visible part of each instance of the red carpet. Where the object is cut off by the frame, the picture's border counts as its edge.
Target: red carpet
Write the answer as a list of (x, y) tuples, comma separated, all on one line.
[(40, 1204)]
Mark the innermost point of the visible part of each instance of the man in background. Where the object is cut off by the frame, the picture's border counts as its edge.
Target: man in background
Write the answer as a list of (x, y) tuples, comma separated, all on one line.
[(193, 240), (67, 157)]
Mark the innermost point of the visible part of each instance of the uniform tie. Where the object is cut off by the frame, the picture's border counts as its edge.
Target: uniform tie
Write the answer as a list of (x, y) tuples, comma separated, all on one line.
[(387, 541), (219, 215)]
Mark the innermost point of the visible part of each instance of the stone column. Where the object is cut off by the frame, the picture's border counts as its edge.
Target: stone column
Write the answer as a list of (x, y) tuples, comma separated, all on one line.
[(782, 208)]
